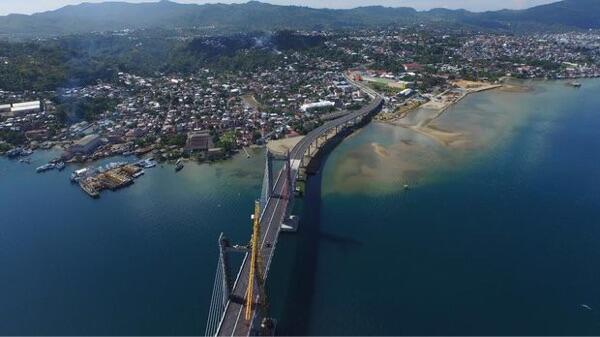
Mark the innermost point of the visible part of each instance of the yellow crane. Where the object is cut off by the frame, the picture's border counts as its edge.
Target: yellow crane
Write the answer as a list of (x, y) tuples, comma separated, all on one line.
[(254, 261)]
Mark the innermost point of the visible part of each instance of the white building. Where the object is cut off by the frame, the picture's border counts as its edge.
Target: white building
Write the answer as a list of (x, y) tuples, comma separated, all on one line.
[(315, 106), (21, 109)]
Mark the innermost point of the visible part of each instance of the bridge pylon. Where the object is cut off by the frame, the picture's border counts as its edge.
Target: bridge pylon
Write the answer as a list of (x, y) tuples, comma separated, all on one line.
[(255, 279)]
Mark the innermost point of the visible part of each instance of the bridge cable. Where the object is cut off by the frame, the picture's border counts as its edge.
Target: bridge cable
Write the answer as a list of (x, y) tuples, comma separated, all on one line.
[(216, 305)]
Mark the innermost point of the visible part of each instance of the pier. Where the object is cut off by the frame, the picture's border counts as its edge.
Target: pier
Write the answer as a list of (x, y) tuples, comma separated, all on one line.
[(112, 179)]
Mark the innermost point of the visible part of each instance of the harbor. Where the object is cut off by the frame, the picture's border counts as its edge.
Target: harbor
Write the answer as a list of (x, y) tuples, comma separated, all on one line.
[(113, 176), (112, 179)]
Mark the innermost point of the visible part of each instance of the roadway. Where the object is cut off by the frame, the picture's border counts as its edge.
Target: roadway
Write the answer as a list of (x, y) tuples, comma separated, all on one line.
[(233, 322)]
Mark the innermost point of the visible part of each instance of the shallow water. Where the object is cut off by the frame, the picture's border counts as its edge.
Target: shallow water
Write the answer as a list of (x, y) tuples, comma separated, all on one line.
[(497, 236)]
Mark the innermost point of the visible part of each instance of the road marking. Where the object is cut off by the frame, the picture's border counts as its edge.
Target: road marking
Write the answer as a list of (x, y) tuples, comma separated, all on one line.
[(237, 320)]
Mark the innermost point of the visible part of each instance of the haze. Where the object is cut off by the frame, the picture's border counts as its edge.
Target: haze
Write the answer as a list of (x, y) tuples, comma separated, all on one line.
[(34, 6)]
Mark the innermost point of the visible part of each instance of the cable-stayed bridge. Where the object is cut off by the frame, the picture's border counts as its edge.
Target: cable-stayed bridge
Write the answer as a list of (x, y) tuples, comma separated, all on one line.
[(238, 303)]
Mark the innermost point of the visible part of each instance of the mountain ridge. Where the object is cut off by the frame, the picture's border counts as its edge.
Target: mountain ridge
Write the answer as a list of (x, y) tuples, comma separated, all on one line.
[(255, 15)]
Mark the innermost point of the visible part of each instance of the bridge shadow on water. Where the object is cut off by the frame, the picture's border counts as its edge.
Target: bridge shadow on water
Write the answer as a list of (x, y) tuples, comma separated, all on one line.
[(294, 315), (342, 241), (300, 251)]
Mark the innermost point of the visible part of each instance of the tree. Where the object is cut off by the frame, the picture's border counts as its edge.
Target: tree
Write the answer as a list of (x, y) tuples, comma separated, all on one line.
[(227, 141)]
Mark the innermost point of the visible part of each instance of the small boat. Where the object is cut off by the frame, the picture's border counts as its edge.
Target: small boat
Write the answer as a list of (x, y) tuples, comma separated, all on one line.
[(148, 163), (179, 165), (406, 187), (77, 175), (45, 168), (585, 306), (138, 174), (25, 160), (60, 166), (575, 84)]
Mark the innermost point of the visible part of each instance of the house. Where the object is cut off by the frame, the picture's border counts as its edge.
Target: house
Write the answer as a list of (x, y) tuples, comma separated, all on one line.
[(413, 67), (198, 141)]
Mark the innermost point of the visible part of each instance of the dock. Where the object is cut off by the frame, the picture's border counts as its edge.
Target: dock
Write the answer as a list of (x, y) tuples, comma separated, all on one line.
[(112, 179)]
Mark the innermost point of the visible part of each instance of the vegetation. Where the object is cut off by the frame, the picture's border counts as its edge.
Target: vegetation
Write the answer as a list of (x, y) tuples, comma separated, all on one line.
[(174, 140), (145, 141), (31, 66), (86, 59), (4, 147), (384, 87), (227, 141), (87, 109), (12, 137)]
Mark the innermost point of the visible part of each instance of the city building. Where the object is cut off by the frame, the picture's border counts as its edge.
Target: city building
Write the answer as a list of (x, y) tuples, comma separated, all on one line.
[(86, 145), (198, 141), (20, 109), (316, 106)]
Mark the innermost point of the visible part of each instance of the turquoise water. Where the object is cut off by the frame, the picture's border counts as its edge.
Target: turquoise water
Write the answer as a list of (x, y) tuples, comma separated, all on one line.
[(498, 235), (140, 261)]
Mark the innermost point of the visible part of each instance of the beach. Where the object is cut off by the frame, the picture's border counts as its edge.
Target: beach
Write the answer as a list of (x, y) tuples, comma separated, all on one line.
[(421, 119)]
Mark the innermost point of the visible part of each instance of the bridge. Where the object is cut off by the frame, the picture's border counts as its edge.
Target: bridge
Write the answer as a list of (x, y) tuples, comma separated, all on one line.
[(238, 308)]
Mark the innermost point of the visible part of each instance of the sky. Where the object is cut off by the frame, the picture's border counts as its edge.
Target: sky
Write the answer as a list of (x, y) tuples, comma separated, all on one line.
[(34, 6)]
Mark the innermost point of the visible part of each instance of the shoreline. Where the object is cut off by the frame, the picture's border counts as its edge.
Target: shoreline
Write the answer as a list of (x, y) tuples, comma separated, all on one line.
[(464, 133), (440, 103)]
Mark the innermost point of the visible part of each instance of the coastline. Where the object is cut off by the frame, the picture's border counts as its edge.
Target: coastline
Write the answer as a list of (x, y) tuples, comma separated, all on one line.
[(425, 114), (440, 102), (429, 140), (491, 190)]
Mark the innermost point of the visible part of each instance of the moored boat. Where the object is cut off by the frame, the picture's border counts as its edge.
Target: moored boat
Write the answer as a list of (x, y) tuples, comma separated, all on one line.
[(138, 174), (179, 165), (45, 168), (77, 175)]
